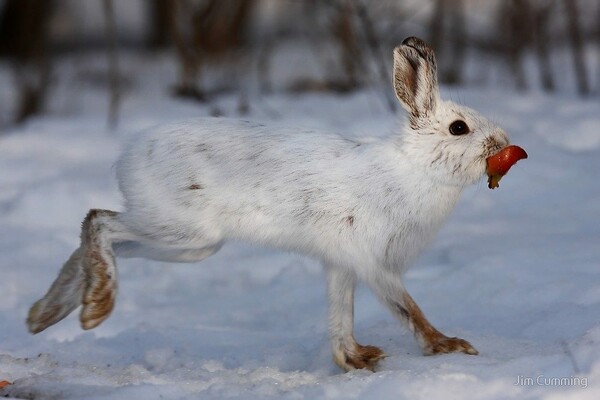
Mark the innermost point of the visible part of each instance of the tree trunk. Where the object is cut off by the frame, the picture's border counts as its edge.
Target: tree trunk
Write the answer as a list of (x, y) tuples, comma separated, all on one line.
[(515, 36), (24, 41), (188, 59), (452, 73), (542, 14), (160, 24), (436, 26), (576, 40), (351, 55), (375, 46)]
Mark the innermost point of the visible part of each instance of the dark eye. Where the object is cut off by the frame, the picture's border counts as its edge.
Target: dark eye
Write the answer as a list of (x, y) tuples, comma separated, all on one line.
[(459, 127)]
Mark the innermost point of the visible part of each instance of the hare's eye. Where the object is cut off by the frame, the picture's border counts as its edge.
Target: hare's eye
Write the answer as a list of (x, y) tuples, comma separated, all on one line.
[(459, 127)]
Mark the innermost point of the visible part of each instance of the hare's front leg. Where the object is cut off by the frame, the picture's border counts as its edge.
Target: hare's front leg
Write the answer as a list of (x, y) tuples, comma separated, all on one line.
[(391, 291), (347, 353)]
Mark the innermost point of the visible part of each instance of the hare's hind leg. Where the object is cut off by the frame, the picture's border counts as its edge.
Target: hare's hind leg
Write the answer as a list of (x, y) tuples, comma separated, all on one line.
[(101, 228), (89, 277), (347, 353), (129, 249)]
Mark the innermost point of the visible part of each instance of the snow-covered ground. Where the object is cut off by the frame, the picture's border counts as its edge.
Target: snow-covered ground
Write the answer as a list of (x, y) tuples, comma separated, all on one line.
[(516, 271)]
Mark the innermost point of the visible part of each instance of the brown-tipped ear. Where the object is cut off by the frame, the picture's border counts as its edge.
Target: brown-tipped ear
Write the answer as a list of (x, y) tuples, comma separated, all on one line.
[(415, 78)]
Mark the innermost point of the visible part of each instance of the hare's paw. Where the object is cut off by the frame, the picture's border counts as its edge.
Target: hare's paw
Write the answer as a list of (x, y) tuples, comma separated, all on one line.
[(101, 287), (63, 296), (359, 357), (47, 312), (449, 345), (93, 314), (99, 296), (42, 315)]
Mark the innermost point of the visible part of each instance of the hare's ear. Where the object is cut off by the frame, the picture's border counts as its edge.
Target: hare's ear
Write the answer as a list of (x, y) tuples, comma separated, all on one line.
[(415, 78)]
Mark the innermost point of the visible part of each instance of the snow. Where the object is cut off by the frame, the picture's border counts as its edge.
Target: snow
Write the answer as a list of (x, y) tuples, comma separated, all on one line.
[(515, 271)]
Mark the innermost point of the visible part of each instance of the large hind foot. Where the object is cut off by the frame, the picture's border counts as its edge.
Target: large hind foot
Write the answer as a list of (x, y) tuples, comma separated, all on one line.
[(62, 298), (99, 267), (357, 356), (444, 344), (100, 290), (89, 277)]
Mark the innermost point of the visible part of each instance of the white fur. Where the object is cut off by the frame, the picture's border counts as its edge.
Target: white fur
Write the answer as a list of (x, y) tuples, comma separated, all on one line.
[(289, 189), (365, 209)]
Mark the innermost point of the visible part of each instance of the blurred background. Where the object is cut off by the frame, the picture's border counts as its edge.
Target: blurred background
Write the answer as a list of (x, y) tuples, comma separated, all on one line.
[(52, 52), (514, 270)]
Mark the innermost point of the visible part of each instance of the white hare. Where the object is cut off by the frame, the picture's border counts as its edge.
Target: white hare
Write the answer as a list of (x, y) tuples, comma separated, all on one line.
[(365, 209)]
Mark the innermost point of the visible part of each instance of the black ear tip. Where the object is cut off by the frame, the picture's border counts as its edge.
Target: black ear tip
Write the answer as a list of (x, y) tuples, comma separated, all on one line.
[(414, 41), (421, 47), (409, 40)]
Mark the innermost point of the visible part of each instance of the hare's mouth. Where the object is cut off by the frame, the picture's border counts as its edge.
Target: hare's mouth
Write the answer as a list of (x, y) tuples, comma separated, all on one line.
[(499, 164)]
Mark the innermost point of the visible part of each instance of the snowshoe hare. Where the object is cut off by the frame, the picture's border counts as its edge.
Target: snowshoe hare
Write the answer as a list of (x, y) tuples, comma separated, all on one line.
[(365, 209)]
